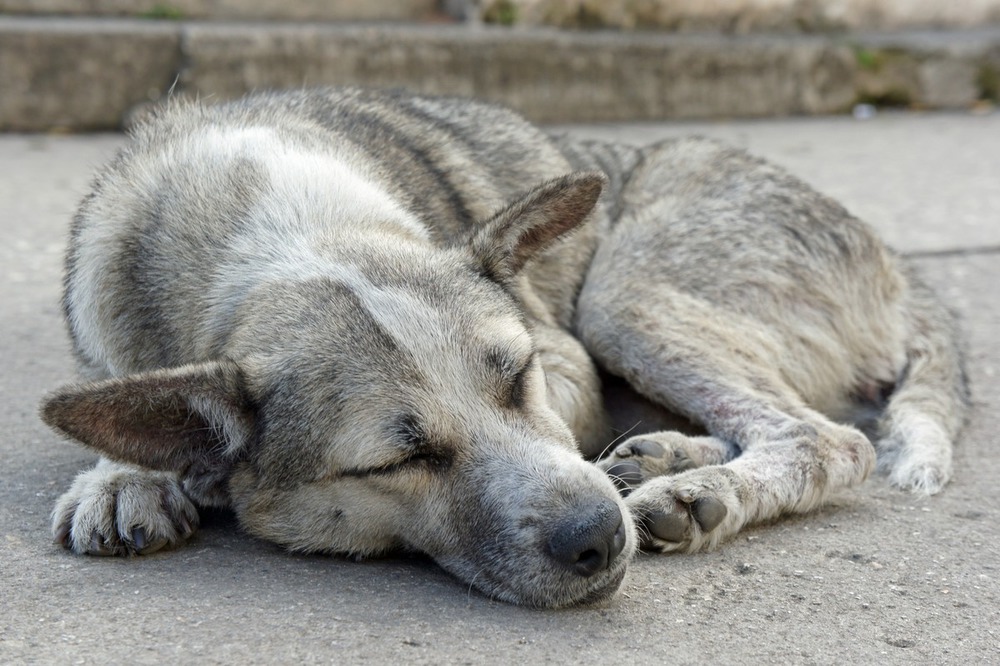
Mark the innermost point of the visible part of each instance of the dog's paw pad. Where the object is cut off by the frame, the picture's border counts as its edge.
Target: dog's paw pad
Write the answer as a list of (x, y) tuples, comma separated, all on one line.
[(709, 512), (645, 447), (676, 526), (667, 526)]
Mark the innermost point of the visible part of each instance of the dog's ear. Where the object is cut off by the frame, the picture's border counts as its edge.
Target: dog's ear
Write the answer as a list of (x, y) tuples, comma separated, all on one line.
[(504, 243), (165, 419)]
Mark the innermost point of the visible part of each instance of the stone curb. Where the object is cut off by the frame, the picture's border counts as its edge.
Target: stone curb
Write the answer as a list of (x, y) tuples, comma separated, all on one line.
[(86, 74)]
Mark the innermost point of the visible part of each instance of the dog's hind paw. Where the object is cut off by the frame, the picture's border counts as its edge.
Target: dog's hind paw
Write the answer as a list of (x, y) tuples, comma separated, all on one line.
[(919, 460), (920, 477), (645, 457), (687, 513), (118, 509)]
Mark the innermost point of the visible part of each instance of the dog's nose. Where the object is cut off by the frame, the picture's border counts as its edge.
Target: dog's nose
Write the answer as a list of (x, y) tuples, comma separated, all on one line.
[(590, 539)]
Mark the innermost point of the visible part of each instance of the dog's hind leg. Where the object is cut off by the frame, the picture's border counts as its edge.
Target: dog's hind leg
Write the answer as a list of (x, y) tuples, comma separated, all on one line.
[(928, 408), (731, 293)]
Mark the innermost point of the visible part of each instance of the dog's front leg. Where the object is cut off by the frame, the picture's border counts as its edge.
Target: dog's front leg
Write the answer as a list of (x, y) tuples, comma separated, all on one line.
[(573, 388), (119, 509), (792, 468), (720, 372)]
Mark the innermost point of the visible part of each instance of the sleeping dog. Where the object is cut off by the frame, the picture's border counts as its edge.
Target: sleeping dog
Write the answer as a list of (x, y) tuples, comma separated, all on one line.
[(367, 321)]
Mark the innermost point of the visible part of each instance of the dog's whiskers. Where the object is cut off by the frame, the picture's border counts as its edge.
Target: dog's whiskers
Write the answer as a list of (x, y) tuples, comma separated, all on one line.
[(617, 439), (472, 584)]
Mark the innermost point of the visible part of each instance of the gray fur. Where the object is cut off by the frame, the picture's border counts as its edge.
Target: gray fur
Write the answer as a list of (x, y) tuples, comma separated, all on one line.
[(369, 321)]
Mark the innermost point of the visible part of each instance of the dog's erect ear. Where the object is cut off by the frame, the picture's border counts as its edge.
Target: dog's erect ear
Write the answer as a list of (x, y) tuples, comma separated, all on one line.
[(505, 242), (165, 419)]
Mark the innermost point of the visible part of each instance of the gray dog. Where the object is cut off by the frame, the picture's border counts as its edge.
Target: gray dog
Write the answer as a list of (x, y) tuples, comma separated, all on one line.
[(368, 321)]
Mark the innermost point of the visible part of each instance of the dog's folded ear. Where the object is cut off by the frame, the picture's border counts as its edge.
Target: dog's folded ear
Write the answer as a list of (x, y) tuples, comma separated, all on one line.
[(504, 243), (165, 419)]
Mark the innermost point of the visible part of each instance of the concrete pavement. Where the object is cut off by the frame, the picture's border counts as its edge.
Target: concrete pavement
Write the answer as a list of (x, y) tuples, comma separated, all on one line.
[(877, 577)]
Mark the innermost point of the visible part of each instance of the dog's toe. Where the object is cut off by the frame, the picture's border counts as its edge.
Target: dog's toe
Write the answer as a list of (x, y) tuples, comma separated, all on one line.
[(689, 512), (120, 510)]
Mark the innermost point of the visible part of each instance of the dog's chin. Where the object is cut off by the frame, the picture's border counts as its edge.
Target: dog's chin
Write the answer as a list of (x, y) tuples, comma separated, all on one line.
[(559, 596), (594, 595)]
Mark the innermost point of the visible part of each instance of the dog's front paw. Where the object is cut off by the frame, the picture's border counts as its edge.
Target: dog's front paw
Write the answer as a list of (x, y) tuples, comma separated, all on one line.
[(123, 510), (645, 457), (689, 512)]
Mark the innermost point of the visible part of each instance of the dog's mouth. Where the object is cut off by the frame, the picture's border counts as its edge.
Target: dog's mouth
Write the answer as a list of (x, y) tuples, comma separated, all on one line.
[(606, 593), (599, 593), (542, 583)]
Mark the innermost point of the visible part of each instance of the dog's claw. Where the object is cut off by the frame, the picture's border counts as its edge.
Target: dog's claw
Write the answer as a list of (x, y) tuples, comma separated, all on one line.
[(98, 545), (61, 536), (186, 528), (139, 538), (682, 462)]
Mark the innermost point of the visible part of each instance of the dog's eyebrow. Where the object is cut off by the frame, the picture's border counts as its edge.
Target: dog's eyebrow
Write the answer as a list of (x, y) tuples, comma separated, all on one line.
[(407, 430), (509, 365), (507, 362)]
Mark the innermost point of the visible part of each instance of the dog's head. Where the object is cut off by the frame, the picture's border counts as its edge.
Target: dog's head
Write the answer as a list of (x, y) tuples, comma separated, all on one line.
[(397, 402)]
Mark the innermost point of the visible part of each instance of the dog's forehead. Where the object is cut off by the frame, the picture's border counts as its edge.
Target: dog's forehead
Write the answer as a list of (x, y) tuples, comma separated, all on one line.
[(435, 331), (436, 312)]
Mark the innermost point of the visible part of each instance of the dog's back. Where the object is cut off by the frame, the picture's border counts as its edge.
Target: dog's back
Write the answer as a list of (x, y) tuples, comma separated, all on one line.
[(231, 195)]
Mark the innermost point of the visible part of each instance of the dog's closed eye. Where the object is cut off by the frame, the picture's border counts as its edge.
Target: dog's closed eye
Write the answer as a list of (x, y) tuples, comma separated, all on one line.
[(419, 446), (414, 449)]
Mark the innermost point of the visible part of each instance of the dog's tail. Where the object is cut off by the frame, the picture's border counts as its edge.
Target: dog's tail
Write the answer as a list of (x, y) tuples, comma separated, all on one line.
[(929, 407)]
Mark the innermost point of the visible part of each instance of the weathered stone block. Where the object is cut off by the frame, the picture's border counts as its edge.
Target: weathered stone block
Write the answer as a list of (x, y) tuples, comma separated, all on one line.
[(81, 75), (254, 10), (547, 75)]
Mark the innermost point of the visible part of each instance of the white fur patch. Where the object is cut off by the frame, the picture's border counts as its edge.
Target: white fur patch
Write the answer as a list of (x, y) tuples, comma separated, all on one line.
[(306, 187), (308, 196)]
